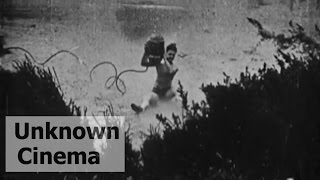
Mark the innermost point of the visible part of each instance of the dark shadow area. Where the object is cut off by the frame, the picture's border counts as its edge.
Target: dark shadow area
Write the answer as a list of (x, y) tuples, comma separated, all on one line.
[(11, 10), (5, 6), (140, 20)]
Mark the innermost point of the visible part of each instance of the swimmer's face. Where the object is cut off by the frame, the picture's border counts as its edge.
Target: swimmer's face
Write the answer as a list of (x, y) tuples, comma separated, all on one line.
[(170, 55)]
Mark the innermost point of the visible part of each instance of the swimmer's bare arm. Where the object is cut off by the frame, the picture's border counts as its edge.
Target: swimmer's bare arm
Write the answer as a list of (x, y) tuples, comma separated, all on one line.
[(175, 71)]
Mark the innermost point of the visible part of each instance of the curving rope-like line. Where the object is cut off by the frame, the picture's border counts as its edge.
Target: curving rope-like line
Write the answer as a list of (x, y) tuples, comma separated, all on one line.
[(126, 71), (116, 77), (47, 60)]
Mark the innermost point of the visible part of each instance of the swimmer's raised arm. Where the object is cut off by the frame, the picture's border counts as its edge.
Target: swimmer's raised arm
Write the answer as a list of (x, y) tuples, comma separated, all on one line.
[(175, 70)]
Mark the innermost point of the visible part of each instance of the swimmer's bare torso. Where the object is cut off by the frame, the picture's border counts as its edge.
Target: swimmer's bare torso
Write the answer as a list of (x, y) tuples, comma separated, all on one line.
[(165, 74)]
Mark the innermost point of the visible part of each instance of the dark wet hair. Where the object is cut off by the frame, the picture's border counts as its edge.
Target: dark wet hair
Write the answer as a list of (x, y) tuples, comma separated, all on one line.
[(172, 47)]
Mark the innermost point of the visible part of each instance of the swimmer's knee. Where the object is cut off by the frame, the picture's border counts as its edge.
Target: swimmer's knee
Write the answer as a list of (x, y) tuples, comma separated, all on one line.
[(154, 98), (170, 94)]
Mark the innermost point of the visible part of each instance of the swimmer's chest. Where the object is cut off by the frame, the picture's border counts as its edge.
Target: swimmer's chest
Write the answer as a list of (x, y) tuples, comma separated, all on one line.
[(165, 69)]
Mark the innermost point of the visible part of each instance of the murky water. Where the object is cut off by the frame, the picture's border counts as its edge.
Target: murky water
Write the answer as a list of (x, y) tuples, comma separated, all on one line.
[(140, 20)]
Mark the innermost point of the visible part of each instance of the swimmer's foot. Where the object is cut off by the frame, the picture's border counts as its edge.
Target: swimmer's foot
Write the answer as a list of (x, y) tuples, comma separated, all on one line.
[(136, 108)]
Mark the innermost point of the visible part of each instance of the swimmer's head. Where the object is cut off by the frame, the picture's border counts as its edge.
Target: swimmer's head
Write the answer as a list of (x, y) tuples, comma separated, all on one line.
[(171, 52)]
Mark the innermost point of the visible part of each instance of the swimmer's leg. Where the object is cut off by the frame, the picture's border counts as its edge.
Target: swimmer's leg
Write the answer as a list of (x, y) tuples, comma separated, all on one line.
[(170, 94), (148, 100)]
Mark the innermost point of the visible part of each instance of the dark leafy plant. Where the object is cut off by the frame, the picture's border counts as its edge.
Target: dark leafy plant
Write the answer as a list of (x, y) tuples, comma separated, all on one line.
[(34, 90), (263, 125)]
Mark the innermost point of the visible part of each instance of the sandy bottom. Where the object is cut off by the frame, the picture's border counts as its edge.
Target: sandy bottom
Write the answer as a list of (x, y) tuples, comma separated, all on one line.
[(214, 40)]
